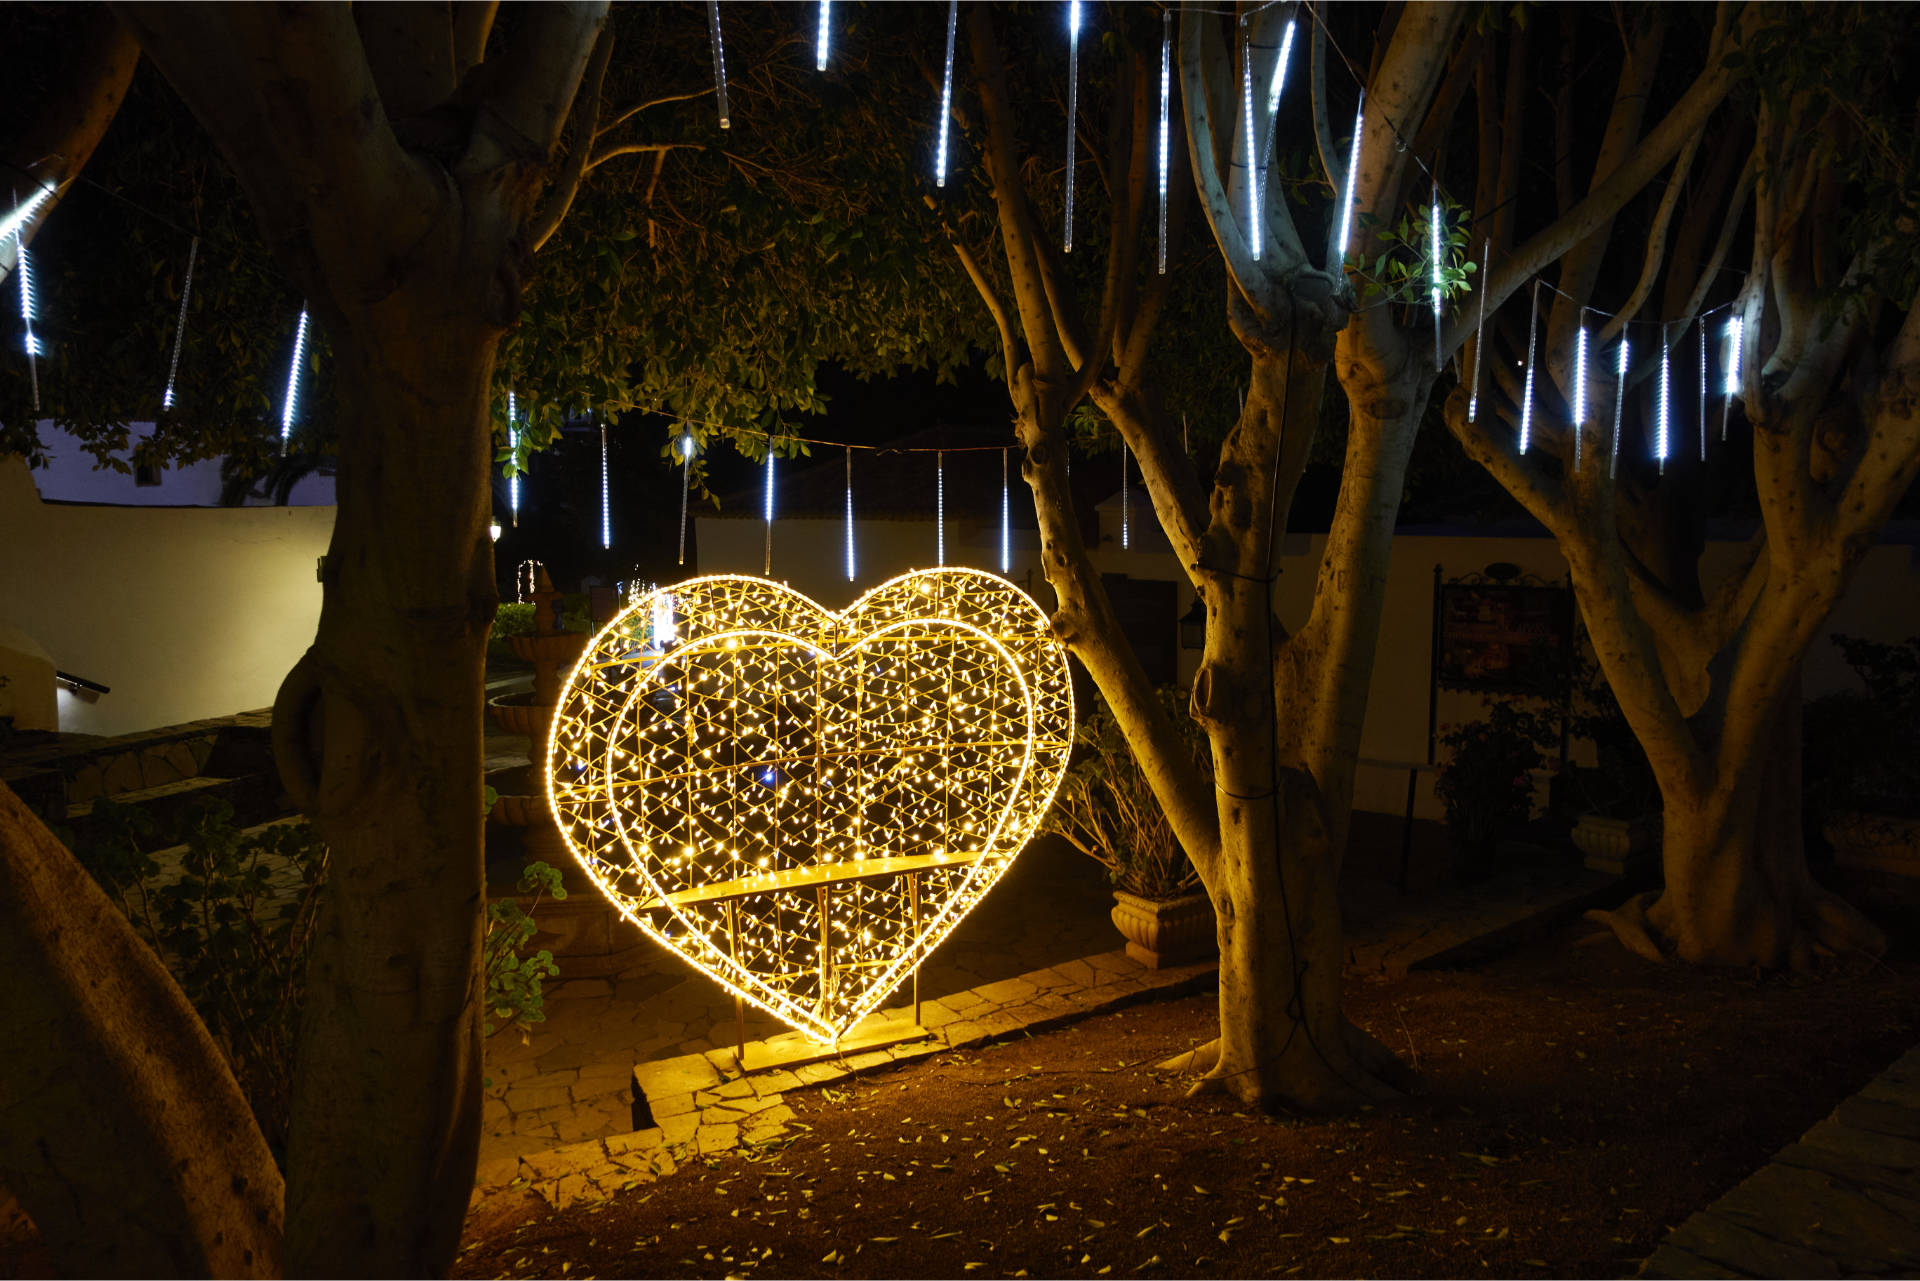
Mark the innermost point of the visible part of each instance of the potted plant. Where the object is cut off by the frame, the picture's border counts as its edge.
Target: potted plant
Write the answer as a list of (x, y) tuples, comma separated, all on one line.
[(1863, 778), (1106, 810), (1617, 827), (1486, 782)]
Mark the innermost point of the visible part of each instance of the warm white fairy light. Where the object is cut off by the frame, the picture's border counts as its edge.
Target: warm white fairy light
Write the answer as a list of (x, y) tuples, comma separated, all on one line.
[(180, 325), (940, 507), (686, 486), (1734, 327), (18, 218), (1666, 388), (1246, 124), (606, 506), (513, 448), (1702, 327), (768, 512), (719, 63), (820, 43), (849, 515), (1579, 388), (292, 406), (801, 803), (1353, 176), (1526, 395), (1166, 92), (1435, 224), (1073, 107), (1619, 403), (946, 97), (1006, 519), (1480, 334), (24, 269)]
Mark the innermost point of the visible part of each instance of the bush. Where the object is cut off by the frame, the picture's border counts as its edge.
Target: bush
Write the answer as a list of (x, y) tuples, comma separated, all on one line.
[(1486, 780), (513, 618), (1107, 811), (1861, 751), (239, 948)]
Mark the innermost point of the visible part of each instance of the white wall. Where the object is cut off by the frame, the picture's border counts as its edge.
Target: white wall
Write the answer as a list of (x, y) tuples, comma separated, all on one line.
[(1883, 602), (184, 612)]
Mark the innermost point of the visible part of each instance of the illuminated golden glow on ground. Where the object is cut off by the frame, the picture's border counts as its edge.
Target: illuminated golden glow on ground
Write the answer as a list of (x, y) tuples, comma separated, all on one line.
[(803, 803)]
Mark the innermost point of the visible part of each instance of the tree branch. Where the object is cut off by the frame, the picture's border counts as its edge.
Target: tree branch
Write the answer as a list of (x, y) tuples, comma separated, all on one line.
[(472, 25), (409, 48), (586, 117)]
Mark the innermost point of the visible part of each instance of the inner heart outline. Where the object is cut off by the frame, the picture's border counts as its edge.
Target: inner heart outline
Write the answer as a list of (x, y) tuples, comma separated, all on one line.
[(616, 675)]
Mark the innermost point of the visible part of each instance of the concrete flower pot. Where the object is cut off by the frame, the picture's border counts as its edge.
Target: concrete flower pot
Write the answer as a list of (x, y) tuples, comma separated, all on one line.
[(1617, 846), (1161, 933), (1875, 842)]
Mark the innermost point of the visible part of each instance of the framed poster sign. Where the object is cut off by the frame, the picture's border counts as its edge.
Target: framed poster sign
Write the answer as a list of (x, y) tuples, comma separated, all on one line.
[(1505, 638)]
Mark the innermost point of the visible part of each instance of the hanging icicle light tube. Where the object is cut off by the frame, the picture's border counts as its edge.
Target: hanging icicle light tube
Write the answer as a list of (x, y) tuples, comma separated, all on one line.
[(686, 485), (1480, 334), (16, 220), (820, 43), (946, 97), (1006, 519), (1734, 327), (849, 515), (606, 506), (1660, 438), (180, 325), (1253, 142), (1526, 395), (1619, 404), (1353, 176), (1579, 388), (27, 309), (1435, 221), (1073, 107), (719, 63), (1166, 90), (291, 409)]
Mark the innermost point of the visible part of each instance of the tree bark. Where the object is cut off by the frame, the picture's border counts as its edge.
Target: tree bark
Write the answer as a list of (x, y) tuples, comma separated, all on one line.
[(122, 1131), (386, 1114)]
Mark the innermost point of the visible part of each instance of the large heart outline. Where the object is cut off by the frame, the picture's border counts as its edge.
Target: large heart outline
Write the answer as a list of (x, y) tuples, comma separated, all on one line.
[(920, 796)]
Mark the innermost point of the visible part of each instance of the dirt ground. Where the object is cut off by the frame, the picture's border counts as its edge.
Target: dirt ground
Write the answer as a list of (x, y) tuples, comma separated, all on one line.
[(1576, 1103)]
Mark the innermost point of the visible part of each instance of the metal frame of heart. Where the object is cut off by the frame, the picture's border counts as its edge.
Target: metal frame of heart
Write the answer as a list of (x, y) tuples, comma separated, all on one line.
[(803, 803)]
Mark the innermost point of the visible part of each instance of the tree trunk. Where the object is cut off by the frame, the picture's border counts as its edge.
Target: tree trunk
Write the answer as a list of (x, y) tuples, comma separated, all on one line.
[(378, 732), (122, 1131), (1738, 891)]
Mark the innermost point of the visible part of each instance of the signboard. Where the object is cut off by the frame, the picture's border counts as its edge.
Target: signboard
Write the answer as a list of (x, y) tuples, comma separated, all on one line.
[(1504, 638)]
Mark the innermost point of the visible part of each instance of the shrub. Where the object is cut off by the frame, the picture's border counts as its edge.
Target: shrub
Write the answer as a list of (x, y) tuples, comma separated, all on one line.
[(1486, 781), (513, 618), (239, 947), (1108, 812)]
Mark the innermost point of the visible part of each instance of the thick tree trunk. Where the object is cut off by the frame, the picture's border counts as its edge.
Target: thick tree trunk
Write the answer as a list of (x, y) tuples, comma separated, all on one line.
[(122, 1131), (379, 735), (1738, 891)]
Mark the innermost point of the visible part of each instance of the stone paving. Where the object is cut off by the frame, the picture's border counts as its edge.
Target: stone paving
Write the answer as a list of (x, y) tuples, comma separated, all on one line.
[(1843, 1201), (698, 1106)]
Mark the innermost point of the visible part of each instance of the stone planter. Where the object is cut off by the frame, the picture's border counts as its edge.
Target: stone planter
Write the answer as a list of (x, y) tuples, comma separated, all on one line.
[(1617, 846), (1166, 932), (1875, 842)]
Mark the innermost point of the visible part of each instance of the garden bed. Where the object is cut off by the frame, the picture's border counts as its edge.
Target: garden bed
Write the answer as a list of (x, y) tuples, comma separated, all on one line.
[(1578, 1102)]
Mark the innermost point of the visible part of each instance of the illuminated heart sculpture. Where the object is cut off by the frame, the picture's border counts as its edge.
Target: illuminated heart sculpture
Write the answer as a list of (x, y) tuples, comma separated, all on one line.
[(804, 803)]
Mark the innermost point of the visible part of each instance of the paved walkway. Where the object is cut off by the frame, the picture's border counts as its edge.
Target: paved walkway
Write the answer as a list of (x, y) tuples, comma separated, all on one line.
[(1843, 1201), (633, 1073)]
